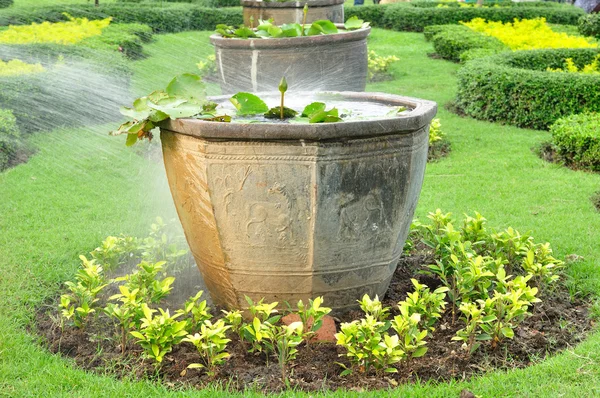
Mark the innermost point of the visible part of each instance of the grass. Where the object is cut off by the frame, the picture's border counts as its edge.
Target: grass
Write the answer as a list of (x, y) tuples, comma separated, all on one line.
[(83, 185)]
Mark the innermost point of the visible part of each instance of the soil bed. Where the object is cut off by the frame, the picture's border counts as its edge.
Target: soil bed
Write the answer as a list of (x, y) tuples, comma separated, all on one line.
[(558, 322)]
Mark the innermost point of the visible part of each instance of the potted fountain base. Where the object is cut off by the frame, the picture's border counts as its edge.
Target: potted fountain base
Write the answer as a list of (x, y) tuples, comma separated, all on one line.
[(295, 211)]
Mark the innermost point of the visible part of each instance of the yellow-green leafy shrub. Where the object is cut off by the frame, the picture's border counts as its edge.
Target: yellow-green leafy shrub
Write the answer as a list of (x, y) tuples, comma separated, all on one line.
[(528, 34), (18, 67), (379, 65), (570, 67), (70, 32)]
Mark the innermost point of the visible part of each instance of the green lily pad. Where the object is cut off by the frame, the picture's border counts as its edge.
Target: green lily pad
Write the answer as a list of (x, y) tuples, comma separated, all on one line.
[(248, 104)]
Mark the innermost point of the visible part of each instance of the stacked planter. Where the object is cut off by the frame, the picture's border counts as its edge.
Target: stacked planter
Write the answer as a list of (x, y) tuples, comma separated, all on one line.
[(291, 11)]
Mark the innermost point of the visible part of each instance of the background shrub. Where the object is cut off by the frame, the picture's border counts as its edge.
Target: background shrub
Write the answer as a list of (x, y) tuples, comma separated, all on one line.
[(403, 18), (514, 87), (589, 25), (126, 38), (204, 3), (6, 3), (79, 86), (450, 41), (163, 18), (172, 17), (9, 138), (577, 140)]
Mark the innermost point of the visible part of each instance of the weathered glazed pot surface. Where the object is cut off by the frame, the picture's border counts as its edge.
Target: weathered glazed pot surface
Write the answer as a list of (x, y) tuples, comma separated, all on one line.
[(292, 11), (335, 62), (289, 212)]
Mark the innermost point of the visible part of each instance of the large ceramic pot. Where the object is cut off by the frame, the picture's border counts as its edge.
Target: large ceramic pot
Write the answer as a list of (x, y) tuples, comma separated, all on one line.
[(296, 211), (336, 62), (292, 11)]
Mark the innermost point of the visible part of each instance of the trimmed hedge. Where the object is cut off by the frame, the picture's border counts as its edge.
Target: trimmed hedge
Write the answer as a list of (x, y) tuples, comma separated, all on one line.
[(589, 25), (168, 18), (10, 138), (576, 139), (80, 86), (514, 87), (415, 19), (6, 3), (451, 41), (204, 3), (125, 38)]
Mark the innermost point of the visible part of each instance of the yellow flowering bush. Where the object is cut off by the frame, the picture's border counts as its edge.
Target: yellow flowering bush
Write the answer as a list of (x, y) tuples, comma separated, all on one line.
[(70, 32), (570, 67), (379, 65), (528, 34), (18, 67)]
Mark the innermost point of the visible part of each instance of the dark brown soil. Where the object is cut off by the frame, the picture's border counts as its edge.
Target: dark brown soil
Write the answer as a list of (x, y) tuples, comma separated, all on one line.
[(557, 323), (438, 150)]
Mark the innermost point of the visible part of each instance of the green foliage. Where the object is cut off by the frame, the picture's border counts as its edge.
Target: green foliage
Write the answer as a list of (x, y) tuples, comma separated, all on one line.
[(283, 340), (258, 331), (159, 333), (515, 87), (429, 305), (211, 343), (403, 18), (6, 3), (248, 104), (203, 3), (368, 345), (10, 138), (452, 41), (125, 38), (435, 131), (37, 99), (268, 29), (378, 66), (576, 139), (79, 303), (167, 18), (411, 339), (589, 25), (147, 281), (198, 312), (374, 307), (128, 312), (312, 316), (185, 96)]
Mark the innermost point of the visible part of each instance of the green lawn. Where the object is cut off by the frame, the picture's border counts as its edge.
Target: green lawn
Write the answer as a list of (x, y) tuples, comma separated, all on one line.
[(83, 185)]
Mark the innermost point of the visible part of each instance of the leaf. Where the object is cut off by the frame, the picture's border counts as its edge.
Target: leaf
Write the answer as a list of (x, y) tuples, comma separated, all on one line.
[(195, 366), (322, 27), (291, 30), (137, 335), (508, 332), (248, 104), (188, 86), (419, 352), (131, 139), (313, 108), (155, 350), (177, 108), (330, 116), (275, 31), (353, 23), (346, 372), (391, 370), (244, 32)]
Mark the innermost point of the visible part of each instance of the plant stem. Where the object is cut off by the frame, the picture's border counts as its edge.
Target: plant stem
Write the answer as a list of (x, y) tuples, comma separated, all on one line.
[(281, 107), (305, 11)]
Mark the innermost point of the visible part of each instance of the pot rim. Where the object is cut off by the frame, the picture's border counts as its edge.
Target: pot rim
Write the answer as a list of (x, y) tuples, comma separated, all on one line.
[(303, 41), (420, 116), (289, 4)]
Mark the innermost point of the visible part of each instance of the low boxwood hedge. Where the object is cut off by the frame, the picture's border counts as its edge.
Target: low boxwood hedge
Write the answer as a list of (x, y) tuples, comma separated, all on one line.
[(415, 19), (589, 25), (451, 41), (172, 17), (515, 88), (163, 18), (79, 86), (125, 38), (576, 139), (204, 3), (6, 3)]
